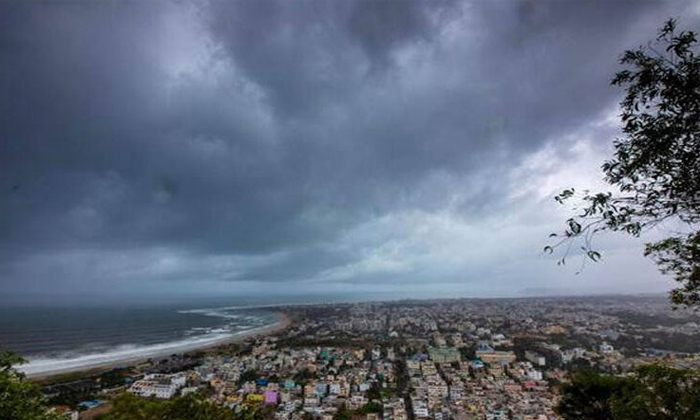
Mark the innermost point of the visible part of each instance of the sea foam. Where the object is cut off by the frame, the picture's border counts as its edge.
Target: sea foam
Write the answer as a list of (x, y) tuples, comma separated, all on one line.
[(86, 359)]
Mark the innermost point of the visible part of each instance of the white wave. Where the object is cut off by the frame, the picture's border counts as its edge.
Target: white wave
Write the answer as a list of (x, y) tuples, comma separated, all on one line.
[(124, 353), (219, 313), (220, 330), (205, 311)]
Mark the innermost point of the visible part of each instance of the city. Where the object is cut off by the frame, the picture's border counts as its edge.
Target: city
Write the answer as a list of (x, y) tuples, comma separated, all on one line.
[(445, 359)]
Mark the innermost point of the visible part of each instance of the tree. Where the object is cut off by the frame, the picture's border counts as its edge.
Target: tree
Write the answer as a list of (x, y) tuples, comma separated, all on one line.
[(656, 164), (660, 393), (248, 375), (370, 407), (343, 413), (130, 407), (654, 392), (375, 391), (588, 395), (19, 398), (191, 407)]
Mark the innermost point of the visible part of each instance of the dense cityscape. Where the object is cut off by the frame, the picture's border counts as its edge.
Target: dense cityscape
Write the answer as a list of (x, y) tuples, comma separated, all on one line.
[(444, 360)]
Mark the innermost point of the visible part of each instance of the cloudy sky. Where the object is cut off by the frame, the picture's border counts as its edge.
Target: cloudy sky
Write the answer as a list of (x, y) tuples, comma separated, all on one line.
[(295, 147)]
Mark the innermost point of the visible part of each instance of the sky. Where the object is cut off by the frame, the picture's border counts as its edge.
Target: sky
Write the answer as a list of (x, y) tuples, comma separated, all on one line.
[(398, 148)]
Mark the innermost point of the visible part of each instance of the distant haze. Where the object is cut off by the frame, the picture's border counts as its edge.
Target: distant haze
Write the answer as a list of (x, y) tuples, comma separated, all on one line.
[(259, 148)]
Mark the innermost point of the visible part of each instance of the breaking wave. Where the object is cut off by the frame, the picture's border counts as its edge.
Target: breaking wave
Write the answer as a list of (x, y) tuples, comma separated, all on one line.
[(97, 355)]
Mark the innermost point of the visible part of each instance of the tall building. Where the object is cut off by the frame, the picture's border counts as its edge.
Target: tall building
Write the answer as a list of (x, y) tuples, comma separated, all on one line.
[(444, 354)]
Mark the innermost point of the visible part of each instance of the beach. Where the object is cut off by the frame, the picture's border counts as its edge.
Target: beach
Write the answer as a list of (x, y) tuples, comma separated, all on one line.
[(96, 363)]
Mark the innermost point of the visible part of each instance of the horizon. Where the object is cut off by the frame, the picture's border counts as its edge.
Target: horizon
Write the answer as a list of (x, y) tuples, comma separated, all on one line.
[(271, 301)]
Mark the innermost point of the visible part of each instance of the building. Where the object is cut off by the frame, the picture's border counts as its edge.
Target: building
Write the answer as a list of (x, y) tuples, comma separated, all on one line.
[(444, 354), (496, 357), (158, 385), (534, 375), (606, 348), (536, 359), (255, 398), (271, 397)]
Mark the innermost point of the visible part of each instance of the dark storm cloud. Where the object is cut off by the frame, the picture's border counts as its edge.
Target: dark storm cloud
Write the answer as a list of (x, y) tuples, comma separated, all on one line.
[(270, 130), (86, 123), (526, 60)]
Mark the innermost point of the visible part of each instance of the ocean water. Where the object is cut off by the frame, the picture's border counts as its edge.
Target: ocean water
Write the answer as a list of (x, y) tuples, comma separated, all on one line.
[(64, 338), (59, 336)]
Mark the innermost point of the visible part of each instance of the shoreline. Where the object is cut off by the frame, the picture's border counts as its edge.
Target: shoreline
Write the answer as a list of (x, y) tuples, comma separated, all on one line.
[(98, 367)]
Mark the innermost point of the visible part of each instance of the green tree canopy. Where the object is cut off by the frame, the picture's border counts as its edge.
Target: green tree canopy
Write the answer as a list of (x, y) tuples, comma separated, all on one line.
[(588, 395), (191, 407), (656, 164), (19, 398), (654, 392)]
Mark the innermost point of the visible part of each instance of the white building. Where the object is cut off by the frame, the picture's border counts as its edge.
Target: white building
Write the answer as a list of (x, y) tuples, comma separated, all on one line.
[(534, 375), (535, 358), (158, 385), (606, 348), (420, 409)]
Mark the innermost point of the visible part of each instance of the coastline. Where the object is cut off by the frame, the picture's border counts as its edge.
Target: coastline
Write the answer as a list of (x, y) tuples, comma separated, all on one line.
[(94, 368)]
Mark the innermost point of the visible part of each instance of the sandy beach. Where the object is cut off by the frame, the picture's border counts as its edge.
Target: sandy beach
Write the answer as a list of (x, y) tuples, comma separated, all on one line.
[(97, 363)]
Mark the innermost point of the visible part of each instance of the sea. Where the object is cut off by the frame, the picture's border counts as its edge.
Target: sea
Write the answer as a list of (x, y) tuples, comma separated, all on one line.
[(63, 338), (68, 336)]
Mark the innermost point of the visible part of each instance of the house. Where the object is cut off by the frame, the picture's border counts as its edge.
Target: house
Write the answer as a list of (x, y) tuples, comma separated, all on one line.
[(158, 385)]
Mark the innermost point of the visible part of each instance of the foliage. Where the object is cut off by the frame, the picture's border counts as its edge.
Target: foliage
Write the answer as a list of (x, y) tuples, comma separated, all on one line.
[(654, 392), (71, 389), (661, 393), (19, 398), (468, 352), (374, 392), (587, 396), (343, 413), (303, 376), (370, 407), (248, 375), (656, 165), (191, 407), (71, 398), (131, 407)]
